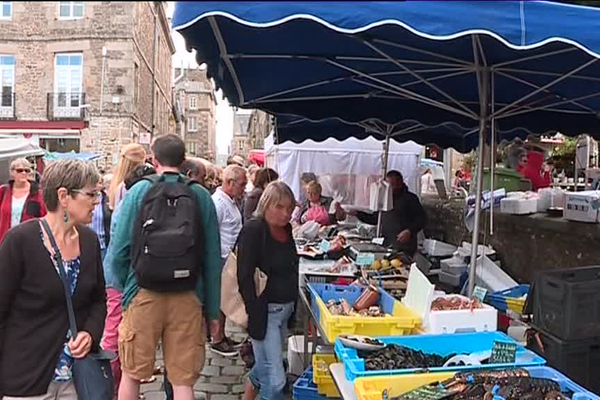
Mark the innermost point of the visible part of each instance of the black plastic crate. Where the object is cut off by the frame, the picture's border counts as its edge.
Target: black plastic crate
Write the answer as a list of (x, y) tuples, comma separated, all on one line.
[(567, 303), (579, 360)]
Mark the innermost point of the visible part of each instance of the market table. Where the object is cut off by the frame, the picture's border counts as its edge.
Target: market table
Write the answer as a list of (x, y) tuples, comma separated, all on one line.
[(310, 321), (345, 388)]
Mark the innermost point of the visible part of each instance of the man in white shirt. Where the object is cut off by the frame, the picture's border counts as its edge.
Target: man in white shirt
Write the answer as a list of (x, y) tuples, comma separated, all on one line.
[(229, 216)]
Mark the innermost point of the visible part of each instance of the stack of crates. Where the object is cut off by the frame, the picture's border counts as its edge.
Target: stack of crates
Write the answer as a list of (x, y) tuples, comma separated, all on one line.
[(566, 313), (306, 389)]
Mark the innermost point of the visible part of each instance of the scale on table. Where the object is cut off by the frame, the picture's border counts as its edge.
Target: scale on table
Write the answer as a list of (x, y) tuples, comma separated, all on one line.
[(358, 250)]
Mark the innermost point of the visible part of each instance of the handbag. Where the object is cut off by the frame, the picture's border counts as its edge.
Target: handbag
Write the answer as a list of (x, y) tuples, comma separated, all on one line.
[(92, 374), (232, 304)]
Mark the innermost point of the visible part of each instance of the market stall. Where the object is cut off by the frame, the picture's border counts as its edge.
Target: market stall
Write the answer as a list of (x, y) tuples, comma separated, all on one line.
[(360, 160), (491, 66)]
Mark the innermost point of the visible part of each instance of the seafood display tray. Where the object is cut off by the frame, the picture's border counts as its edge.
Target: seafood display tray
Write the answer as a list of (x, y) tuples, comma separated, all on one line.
[(373, 388), (305, 389), (578, 359), (483, 319), (456, 343), (401, 320)]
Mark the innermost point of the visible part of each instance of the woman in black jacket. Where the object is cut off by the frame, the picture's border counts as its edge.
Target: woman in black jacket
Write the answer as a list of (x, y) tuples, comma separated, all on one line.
[(36, 348), (266, 242)]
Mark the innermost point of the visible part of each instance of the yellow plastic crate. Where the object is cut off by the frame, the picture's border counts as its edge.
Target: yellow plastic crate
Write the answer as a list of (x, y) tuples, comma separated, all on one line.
[(401, 322), (396, 385), (321, 376)]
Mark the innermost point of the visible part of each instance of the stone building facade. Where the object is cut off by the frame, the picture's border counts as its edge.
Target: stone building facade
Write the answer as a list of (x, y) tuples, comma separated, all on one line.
[(86, 76), (195, 100), (259, 127), (240, 143)]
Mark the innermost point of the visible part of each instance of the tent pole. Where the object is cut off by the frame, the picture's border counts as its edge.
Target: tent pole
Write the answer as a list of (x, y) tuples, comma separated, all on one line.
[(492, 156), (384, 167), (478, 196)]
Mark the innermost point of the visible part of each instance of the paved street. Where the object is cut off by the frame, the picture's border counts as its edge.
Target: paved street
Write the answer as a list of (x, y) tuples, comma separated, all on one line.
[(222, 378)]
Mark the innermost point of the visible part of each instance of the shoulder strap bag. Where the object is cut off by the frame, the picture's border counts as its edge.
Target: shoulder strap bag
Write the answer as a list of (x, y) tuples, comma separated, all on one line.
[(92, 374), (232, 304)]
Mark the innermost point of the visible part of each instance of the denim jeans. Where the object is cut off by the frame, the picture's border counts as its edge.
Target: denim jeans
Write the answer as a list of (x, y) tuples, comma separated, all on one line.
[(268, 374)]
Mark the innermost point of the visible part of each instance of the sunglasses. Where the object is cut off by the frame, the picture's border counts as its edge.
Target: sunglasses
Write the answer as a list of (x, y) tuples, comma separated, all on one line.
[(22, 170)]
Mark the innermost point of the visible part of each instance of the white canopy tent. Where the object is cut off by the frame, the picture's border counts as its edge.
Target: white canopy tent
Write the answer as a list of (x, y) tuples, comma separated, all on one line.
[(356, 162)]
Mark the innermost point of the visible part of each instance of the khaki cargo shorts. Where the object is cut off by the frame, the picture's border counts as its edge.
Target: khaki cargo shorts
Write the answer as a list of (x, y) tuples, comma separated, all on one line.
[(174, 318)]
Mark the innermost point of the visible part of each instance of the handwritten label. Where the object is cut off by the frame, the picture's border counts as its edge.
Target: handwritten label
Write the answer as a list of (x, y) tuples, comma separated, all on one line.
[(479, 293), (378, 241), (428, 392), (324, 247), (503, 353), (365, 259)]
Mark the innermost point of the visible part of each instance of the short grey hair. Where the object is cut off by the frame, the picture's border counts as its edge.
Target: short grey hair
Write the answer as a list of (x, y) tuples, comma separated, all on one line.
[(20, 162), (233, 172), (273, 194), (69, 174)]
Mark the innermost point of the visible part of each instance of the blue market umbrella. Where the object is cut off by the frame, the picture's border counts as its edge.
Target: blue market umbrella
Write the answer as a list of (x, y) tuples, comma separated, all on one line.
[(510, 65)]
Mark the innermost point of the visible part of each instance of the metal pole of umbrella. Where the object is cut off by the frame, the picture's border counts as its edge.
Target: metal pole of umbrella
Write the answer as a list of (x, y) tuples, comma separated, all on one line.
[(384, 167), (492, 156), (483, 121)]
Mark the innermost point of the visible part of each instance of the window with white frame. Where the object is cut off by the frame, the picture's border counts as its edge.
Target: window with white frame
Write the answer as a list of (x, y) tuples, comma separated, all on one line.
[(193, 103), (192, 124), (7, 85), (70, 10), (5, 9), (192, 148), (68, 82)]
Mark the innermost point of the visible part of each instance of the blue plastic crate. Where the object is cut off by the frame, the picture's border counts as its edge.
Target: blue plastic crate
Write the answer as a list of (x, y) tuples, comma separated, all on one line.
[(459, 343), (499, 299), (305, 388), (567, 386)]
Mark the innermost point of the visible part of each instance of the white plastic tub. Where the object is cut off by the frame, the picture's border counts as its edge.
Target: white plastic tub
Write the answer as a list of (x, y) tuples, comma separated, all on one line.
[(295, 354), (438, 249)]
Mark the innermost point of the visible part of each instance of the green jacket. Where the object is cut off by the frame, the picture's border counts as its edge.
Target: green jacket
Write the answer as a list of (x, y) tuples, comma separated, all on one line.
[(209, 286)]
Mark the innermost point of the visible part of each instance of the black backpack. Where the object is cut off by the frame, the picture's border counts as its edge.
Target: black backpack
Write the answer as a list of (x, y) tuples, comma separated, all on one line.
[(168, 242)]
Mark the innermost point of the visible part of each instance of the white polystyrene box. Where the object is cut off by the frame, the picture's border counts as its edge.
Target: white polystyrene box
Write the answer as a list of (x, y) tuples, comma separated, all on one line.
[(580, 206), (511, 205)]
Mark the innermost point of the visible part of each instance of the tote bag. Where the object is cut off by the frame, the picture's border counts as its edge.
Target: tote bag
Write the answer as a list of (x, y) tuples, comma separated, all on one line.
[(232, 304)]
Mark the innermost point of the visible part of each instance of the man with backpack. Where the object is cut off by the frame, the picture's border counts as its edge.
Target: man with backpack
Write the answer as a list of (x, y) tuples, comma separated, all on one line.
[(167, 257)]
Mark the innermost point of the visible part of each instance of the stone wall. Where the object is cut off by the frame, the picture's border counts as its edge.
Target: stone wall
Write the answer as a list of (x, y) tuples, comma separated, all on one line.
[(525, 244)]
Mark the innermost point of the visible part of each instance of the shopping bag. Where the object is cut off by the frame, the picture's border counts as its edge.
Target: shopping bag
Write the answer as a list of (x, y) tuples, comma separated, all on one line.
[(232, 304)]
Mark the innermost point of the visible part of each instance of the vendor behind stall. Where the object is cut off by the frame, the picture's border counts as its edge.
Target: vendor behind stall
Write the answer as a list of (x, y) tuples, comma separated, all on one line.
[(401, 224), (531, 166), (317, 207)]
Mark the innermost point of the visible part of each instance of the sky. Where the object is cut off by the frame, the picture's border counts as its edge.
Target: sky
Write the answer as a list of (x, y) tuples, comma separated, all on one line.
[(224, 111)]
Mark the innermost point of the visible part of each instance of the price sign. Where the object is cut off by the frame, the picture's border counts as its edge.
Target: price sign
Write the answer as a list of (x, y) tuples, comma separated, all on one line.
[(365, 259), (479, 293), (324, 247), (503, 353), (433, 391), (378, 241)]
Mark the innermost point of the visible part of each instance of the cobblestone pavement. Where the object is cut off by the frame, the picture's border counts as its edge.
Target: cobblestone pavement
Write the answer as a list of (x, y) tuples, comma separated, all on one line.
[(221, 379)]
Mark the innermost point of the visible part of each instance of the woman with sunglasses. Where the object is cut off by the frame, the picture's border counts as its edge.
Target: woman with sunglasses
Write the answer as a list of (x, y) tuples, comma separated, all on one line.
[(20, 199)]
